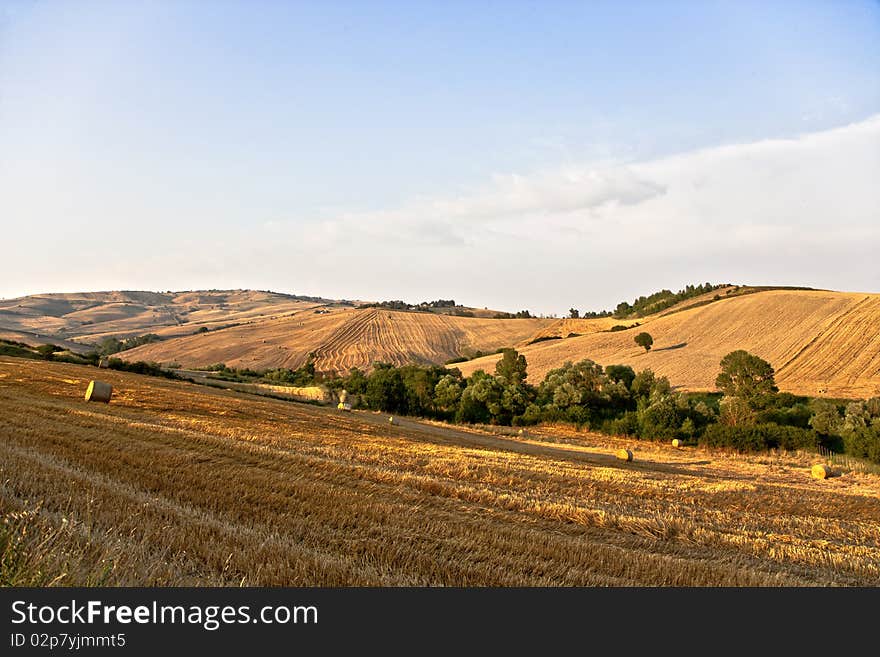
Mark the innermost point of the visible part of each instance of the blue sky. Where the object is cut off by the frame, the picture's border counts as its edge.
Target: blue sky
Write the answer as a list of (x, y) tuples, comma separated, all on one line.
[(511, 155)]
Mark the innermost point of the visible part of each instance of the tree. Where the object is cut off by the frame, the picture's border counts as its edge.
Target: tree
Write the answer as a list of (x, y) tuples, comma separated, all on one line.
[(573, 384), (386, 390), (621, 374), (826, 418), (735, 412), (573, 313), (481, 399), (644, 340), (447, 392), (647, 385), (511, 367), (662, 418), (746, 376)]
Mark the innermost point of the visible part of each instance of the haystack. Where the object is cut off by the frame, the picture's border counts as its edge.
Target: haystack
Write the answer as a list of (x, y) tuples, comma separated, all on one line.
[(392, 420), (624, 455), (821, 471), (344, 406), (677, 443), (99, 391)]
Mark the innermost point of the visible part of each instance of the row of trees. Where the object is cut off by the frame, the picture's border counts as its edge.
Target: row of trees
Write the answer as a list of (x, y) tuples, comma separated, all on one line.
[(750, 414), (113, 345), (646, 305)]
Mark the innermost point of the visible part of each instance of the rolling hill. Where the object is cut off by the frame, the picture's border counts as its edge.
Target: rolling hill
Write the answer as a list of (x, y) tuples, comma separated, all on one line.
[(342, 339), (86, 317), (819, 342)]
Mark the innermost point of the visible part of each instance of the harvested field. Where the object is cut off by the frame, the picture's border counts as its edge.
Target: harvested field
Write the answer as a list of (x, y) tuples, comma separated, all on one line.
[(89, 316), (173, 483), (343, 339), (820, 343)]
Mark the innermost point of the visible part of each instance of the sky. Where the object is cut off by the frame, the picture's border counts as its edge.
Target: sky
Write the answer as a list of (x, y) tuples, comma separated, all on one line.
[(510, 155)]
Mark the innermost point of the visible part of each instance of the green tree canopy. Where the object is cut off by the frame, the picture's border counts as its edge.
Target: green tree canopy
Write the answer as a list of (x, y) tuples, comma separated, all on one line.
[(746, 376), (644, 340), (621, 374), (511, 367), (572, 384)]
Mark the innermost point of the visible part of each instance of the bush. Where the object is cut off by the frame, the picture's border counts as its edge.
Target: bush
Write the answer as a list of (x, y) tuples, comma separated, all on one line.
[(759, 437), (626, 425), (797, 416), (140, 367), (8, 349), (863, 442)]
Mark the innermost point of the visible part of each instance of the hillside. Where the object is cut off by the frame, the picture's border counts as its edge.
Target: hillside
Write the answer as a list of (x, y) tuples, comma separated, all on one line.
[(819, 342), (176, 484), (342, 339), (86, 317)]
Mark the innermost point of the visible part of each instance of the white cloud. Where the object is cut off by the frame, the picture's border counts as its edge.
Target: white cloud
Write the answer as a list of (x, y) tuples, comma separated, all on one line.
[(802, 211), (799, 211)]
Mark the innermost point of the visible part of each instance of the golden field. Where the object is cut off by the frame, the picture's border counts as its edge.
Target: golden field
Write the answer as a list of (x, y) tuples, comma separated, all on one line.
[(341, 340), (820, 343), (86, 317), (173, 483)]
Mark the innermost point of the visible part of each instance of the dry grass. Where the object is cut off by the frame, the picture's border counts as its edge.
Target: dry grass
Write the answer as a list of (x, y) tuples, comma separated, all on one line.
[(89, 316), (178, 484), (819, 342), (342, 340)]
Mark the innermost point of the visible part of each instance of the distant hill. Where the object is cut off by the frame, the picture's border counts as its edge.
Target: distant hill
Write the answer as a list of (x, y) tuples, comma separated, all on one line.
[(819, 342), (343, 338), (86, 317), (261, 329)]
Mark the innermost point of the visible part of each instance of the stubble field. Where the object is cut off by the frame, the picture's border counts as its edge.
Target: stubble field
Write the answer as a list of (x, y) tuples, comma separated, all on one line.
[(176, 484)]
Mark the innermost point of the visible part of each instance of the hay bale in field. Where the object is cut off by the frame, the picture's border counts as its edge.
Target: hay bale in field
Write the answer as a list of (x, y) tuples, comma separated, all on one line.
[(624, 455), (821, 471), (677, 443), (344, 406), (104, 363), (392, 420), (99, 391)]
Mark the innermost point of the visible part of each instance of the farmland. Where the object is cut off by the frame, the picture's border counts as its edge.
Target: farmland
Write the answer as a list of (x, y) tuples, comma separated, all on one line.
[(343, 339), (820, 343), (86, 317), (176, 484)]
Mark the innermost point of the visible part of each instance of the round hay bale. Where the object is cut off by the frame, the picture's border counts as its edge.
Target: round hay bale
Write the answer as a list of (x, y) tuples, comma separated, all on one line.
[(391, 420), (104, 363), (99, 391), (677, 443), (624, 455), (821, 471)]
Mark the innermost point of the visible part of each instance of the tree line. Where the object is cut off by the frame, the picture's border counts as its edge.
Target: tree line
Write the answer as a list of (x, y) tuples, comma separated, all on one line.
[(647, 305), (750, 414)]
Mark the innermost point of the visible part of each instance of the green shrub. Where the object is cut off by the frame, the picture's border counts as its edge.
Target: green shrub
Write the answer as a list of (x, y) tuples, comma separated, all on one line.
[(626, 425), (759, 437), (863, 442)]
